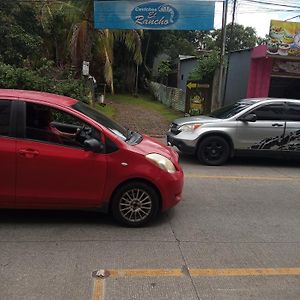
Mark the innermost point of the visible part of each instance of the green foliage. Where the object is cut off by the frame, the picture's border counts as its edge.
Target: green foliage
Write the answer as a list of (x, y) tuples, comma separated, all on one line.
[(19, 33), (238, 37), (164, 69), (72, 88), (206, 66), (107, 109), (21, 78), (179, 43), (174, 42), (24, 78)]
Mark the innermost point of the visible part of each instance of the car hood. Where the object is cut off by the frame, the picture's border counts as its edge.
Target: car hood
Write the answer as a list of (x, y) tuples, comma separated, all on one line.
[(191, 120), (151, 145)]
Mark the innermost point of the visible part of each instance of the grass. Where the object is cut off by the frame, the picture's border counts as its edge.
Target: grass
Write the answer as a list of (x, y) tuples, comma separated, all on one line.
[(147, 101), (107, 110)]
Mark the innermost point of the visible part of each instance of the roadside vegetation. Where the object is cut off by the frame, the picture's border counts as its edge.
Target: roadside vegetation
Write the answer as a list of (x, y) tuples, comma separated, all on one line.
[(107, 110), (44, 43)]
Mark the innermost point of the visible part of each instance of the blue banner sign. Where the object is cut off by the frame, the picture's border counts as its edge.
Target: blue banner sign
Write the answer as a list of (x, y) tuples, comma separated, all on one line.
[(169, 14)]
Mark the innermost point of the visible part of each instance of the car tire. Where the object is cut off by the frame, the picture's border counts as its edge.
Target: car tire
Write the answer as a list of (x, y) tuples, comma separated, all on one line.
[(213, 151), (135, 204)]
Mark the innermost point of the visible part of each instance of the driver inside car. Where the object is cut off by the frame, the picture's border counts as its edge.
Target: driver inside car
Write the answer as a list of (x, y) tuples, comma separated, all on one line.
[(45, 118), (40, 126)]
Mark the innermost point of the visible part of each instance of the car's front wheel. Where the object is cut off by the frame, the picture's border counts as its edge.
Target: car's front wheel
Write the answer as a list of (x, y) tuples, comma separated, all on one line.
[(213, 151), (135, 204)]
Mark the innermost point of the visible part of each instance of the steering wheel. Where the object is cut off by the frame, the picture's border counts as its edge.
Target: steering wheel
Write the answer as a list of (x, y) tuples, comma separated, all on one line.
[(83, 133)]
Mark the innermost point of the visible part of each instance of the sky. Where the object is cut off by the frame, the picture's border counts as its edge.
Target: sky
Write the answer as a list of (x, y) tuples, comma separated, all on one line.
[(250, 15)]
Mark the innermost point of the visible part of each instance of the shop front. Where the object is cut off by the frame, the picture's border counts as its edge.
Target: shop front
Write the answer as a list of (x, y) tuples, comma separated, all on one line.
[(275, 67)]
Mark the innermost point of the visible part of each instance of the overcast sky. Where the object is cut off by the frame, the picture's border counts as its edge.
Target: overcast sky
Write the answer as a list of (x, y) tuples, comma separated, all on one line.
[(259, 20)]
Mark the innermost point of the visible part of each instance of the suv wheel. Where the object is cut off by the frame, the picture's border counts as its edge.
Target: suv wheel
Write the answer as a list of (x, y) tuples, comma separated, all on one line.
[(213, 151), (135, 204)]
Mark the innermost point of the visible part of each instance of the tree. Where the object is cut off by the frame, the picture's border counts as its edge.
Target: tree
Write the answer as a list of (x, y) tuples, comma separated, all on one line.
[(164, 69), (176, 42), (87, 43), (238, 37), (241, 38), (56, 19), (206, 66), (20, 39), (104, 48)]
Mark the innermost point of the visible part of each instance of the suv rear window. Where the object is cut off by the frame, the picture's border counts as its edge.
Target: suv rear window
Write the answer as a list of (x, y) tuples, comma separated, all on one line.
[(5, 109)]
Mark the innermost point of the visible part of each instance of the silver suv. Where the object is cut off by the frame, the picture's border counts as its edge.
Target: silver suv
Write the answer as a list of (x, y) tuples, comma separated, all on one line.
[(250, 126)]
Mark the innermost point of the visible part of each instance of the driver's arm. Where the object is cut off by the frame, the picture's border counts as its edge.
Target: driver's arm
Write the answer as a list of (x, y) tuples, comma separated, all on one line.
[(54, 130)]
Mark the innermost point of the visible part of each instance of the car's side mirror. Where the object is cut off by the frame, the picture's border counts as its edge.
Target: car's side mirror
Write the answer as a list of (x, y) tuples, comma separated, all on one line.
[(93, 145), (248, 118)]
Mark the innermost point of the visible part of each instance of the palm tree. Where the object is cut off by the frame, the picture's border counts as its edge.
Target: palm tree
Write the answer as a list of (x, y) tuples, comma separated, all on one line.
[(104, 48), (56, 18), (87, 43), (75, 35)]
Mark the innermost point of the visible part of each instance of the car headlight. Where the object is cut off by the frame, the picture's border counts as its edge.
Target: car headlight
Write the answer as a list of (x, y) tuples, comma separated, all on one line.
[(189, 127), (162, 162)]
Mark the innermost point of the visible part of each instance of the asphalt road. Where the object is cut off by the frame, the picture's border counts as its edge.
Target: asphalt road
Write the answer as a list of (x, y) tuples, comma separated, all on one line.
[(236, 235)]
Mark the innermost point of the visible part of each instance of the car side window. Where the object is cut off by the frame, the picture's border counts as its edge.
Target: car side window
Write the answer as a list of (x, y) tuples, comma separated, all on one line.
[(47, 124), (293, 112), (270, 112), (5, 111)]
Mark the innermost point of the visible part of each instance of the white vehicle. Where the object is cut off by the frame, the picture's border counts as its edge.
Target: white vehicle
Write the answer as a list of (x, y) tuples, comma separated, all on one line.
[(263, 126)]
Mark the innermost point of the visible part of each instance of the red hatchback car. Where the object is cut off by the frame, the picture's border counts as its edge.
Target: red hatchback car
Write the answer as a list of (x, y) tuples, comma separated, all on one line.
[(58, 153)]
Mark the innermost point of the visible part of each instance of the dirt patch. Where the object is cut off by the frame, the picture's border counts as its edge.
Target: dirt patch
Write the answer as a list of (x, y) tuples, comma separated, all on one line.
[(141, 119)]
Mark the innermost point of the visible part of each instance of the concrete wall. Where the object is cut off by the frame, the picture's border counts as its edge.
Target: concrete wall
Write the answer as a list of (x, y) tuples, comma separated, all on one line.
[(237, 76), (185, 68)]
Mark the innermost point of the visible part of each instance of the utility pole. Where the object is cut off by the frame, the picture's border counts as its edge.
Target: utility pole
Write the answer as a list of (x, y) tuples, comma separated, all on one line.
[(232, 24), (230, 47), (222, 55)]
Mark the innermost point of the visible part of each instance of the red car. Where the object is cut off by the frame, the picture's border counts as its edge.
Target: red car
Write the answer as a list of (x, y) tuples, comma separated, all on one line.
[(58, 153)]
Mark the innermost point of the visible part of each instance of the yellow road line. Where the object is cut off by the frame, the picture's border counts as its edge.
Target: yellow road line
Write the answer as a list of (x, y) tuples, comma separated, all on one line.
[(194, 272), (245, 272), (199, 176), (146, 273), (98, 289)]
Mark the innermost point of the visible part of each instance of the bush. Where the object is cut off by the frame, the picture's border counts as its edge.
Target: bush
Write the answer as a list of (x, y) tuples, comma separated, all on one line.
[(206, 66), (26, 79), (72, 88)]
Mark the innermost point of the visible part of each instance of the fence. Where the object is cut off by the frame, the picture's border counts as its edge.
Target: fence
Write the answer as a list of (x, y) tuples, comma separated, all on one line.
[(171, 97)]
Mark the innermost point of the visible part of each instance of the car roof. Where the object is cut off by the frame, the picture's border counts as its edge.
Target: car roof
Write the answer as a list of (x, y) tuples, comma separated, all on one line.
[(37, 96), (256, 100)]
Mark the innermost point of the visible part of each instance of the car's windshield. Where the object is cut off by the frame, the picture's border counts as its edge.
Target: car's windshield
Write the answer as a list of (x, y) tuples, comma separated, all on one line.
[(114, 127), (230, 110)]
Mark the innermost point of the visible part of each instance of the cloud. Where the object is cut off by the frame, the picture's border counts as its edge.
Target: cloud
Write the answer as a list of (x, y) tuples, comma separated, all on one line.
[(259, 20)]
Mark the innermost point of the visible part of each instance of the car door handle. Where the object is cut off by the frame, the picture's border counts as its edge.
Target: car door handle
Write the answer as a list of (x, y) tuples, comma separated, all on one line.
[(277, 125), (29, 153)]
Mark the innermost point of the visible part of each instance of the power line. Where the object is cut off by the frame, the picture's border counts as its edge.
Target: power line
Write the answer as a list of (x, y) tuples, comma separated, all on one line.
[(272, 3), (292, 18)]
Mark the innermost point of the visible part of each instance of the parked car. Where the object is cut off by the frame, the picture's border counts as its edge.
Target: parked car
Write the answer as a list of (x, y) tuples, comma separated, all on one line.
[(248, 127), (58, 153)]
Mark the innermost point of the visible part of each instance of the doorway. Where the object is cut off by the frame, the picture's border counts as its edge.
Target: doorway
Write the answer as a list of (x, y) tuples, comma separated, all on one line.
[(282, 87)]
